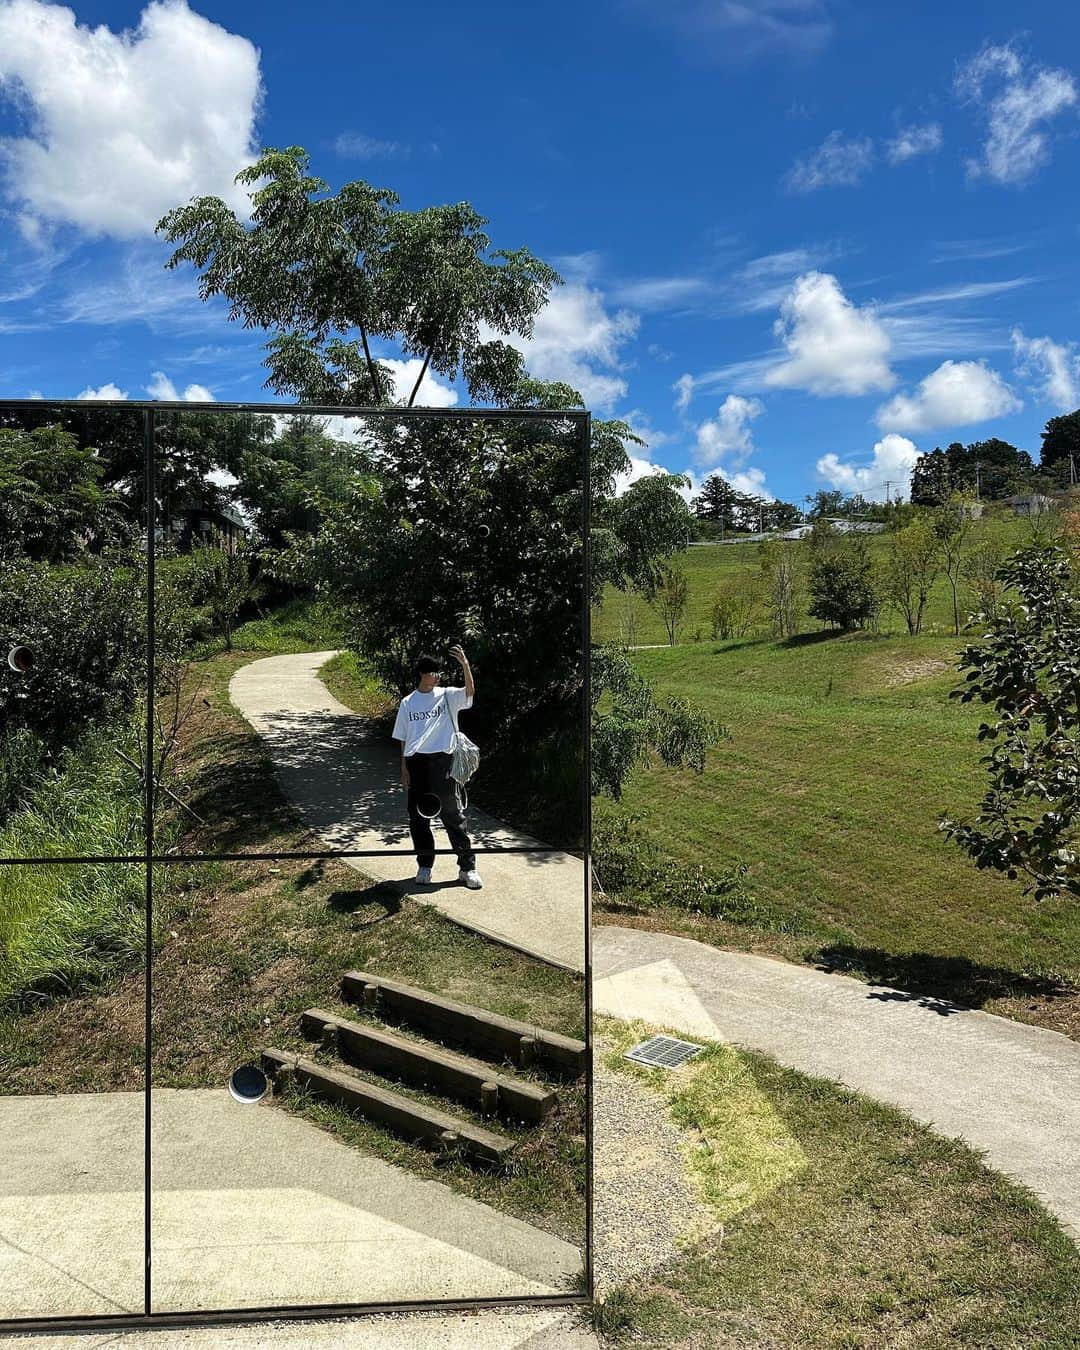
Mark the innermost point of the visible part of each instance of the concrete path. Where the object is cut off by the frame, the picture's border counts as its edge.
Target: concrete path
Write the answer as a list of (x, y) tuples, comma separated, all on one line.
[(251, 1207), (347, 785), (1010, 1089), (516, 1329)]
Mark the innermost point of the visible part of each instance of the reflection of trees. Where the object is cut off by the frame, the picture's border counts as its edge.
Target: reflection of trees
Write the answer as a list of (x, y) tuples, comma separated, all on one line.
[(53, 506), (465, 531)]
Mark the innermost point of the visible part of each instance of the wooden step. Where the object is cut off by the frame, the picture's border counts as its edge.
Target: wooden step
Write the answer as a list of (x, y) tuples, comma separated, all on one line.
[(427, 1065), (476, 1028), (415, 1120)]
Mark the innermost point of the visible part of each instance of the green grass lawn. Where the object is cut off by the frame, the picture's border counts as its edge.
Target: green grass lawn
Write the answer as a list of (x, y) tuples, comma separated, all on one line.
[(844, 1223), (843, 753)]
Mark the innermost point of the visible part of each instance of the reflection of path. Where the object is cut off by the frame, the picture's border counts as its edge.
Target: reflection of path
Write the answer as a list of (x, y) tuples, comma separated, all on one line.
[(1010, 1089), (251, 1207), (347, 785)]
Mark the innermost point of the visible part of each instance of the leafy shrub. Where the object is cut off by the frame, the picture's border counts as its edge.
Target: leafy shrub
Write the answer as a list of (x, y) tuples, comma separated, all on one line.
[(842, 587), (733, 615), (87, 627), (630, 865), (629, 725)]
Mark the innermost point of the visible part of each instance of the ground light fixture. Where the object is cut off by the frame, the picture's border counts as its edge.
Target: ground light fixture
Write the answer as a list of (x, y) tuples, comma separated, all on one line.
[(248, 1084), (20, 658)]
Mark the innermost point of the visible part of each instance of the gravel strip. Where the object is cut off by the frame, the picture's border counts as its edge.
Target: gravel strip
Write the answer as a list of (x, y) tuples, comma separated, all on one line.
[(646, 1208)]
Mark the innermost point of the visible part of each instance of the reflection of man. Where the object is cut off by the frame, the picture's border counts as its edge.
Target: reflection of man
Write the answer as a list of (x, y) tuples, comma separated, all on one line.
[(424, 727)]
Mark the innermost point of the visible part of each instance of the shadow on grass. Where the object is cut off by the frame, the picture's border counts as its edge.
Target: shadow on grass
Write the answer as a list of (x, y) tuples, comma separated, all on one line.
[(944, 984), (384, 897)]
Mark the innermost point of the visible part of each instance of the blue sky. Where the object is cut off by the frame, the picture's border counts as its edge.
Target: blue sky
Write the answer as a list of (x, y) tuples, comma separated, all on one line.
[(802, 240)]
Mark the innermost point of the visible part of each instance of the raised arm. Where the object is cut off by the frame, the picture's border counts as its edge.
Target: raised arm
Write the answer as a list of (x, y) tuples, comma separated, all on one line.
[(463, 661)]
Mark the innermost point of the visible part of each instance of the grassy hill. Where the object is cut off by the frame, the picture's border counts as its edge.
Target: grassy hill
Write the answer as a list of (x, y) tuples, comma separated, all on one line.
[(712, 568), (844, 752)]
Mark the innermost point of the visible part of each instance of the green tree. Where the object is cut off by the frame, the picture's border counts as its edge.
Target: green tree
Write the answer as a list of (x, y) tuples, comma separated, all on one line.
[(981, 574), (329, 275), (912, 563), (718, 501), (842, 587), (668, 598), (1028, 669), (952, 526), (780, 567), (1061, 441), (229, 581), (52, 504)]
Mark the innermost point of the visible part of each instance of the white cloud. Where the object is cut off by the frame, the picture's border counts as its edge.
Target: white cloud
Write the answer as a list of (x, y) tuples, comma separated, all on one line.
[(1054, 366), (355, 145), (833, 347), (161, 387), (751, 481), (889, 470), (763, 282), (639, 468), (684, 392), (107, 391), (913, 141), (432, 393), (123, 126), (728, 433), (660, 293), (137, 288), (835, 163), (1026, 99), (956, 394), (573, 335), (640, 425), (735, 31)]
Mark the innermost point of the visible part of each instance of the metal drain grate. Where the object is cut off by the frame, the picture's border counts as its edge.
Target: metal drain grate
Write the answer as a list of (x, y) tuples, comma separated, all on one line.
[(664, 1052)]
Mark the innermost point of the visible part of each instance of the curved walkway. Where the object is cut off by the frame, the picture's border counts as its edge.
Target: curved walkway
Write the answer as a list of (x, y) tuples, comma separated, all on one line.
[(1006, 1088)]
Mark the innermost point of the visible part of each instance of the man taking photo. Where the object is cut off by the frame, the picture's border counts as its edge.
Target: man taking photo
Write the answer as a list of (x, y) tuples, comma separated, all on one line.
[(424, 726)]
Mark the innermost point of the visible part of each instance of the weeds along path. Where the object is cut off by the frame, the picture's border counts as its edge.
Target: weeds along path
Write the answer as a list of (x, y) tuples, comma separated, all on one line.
[(346, 782), (1005, 1088)]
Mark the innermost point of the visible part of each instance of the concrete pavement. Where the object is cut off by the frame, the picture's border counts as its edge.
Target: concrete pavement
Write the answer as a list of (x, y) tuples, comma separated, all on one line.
[(251, 1207), (1010, 1089)]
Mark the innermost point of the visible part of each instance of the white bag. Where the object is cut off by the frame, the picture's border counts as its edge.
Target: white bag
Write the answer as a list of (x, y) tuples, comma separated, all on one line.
[(464, 755)]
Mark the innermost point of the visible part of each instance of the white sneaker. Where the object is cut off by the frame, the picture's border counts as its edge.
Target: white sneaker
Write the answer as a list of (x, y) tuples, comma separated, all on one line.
[(423, 876), (470, 878)]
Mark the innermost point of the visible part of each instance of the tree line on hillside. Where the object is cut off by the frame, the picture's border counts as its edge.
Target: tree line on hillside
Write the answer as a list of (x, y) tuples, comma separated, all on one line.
[(720, 510), (993, 470)]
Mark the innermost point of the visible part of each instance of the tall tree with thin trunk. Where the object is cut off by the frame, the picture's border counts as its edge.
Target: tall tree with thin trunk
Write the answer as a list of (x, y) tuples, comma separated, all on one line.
[(330, 276), (910, 569), (952, 525)]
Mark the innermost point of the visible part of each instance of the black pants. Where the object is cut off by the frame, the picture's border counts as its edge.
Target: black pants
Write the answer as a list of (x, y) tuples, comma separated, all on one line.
[(431, 773)]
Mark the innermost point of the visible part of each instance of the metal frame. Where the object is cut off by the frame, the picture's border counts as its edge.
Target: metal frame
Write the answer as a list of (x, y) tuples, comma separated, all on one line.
[(236, 1316)]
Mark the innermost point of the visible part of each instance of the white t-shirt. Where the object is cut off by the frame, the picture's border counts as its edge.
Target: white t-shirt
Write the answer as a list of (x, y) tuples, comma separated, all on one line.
[(423, 722)]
